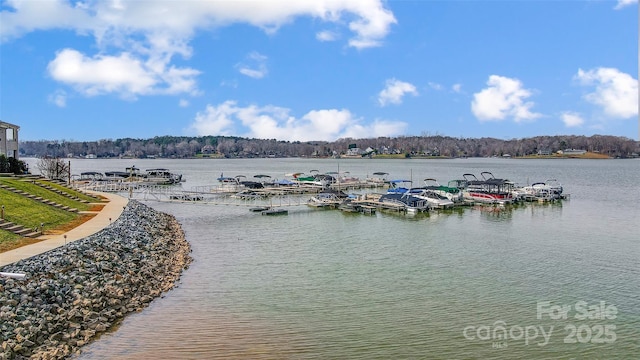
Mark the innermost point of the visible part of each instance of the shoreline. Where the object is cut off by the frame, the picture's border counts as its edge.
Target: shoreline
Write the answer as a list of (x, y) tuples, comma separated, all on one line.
[(74, 293)]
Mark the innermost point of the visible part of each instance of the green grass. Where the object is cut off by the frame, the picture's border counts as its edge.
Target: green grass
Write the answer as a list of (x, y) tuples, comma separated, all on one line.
[(71, 192), (7, 236), (35, 189), (30, 213)]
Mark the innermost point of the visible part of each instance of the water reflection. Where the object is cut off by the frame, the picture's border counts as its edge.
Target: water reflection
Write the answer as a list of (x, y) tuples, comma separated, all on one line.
[(545, 209), (495, 212)]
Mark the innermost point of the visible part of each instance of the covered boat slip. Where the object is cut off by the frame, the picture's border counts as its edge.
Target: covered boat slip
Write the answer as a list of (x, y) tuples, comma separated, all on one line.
[(132, 176)]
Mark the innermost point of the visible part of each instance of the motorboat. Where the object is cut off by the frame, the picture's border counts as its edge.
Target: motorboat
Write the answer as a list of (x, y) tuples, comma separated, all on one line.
[(275, 211), (162, 176), (399, 186), (542, 191), (379, 178), (327, 198), (349, 206), (489, 190), (452, 193), (433, 198), (406, 201)]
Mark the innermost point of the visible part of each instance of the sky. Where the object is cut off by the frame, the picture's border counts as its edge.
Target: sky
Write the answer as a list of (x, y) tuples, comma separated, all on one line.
[(318, 70)]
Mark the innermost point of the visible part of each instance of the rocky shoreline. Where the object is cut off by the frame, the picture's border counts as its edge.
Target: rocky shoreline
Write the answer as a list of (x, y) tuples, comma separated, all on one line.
[(74, 293)]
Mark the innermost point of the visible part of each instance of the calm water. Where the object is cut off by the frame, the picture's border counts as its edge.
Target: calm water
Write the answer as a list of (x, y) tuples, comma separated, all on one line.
[(321, 284)]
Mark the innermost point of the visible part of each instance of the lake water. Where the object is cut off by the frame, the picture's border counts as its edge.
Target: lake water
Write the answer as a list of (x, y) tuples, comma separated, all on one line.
[(562, 279)]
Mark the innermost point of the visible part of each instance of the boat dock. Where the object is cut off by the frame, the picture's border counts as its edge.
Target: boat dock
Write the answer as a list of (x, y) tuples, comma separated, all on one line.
[(364, 196)]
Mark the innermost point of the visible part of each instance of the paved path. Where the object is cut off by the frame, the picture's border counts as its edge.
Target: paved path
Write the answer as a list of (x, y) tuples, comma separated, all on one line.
[(110, 212)]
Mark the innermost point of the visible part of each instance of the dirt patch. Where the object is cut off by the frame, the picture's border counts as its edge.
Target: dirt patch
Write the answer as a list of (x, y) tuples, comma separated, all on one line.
[(96, 207), (10, 245), (70, 225)]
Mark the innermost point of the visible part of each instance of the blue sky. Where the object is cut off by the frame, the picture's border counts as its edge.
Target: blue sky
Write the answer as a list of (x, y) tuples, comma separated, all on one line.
[(318, 70)]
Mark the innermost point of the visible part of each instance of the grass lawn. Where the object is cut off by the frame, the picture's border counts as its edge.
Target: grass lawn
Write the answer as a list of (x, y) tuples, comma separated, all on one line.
[(7, 237), (71, 192), (37, 190), (30, 213)]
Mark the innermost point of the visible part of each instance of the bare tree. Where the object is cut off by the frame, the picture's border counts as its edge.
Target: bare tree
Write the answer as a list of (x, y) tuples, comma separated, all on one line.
[(54, 168)]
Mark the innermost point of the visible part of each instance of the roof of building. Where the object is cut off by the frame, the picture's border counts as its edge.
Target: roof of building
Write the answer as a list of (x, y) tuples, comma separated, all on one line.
[(6, 125)]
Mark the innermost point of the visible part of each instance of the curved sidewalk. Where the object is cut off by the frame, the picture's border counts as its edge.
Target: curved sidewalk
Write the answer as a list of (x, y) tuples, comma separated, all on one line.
[(110, 212)]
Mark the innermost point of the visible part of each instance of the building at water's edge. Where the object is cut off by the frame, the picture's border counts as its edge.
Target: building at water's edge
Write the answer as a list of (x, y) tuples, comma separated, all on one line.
[(9, 139)]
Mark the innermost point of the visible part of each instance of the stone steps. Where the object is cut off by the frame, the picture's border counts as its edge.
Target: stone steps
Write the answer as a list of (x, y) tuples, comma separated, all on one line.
[(39, 199), (19, 229), (60, 192)]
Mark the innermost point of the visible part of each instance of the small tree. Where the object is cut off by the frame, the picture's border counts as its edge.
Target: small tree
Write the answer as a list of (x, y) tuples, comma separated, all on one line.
[(53, 168)]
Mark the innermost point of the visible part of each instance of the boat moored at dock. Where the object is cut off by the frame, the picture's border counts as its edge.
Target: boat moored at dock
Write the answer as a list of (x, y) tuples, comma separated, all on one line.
[(489, 190)]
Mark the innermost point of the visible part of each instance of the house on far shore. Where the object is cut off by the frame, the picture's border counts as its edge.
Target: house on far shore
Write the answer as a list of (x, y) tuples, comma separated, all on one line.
[(573, 152), (208, 150), (9, 139)]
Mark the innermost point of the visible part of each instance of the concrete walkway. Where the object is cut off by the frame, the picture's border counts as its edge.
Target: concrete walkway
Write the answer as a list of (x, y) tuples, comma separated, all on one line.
[(110, 212)]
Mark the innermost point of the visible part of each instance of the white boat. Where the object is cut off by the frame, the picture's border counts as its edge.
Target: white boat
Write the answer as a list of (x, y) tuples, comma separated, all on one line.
[(308, 180), (489, 190), (379, 178), (162, 176), (452, 193), (543, 191), (433, 198), (227, 184), (406, 201), (131, 175), (327, 198)]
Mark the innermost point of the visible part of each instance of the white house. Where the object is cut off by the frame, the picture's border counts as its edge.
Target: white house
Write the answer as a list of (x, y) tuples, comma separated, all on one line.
[(574, 152), (9, 139)]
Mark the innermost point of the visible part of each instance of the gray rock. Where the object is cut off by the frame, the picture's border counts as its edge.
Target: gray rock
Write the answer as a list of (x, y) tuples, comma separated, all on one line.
[(74, 293)]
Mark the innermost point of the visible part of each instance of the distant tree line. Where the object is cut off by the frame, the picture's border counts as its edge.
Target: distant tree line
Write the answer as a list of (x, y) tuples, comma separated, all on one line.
[(234, 147)]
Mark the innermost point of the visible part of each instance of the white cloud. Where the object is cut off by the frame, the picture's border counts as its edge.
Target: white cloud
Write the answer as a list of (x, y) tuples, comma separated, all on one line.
[(457, 88), (504, 98), (616, 92), (327, 35), (369, 20), (183, 103), (435, 86), (28, 16), (148, 34), (254, 66), (394, 91), (572, 119), (371, 26), (624, 3), (58, 98), (272, 122), (123, 74), (216, 120)]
